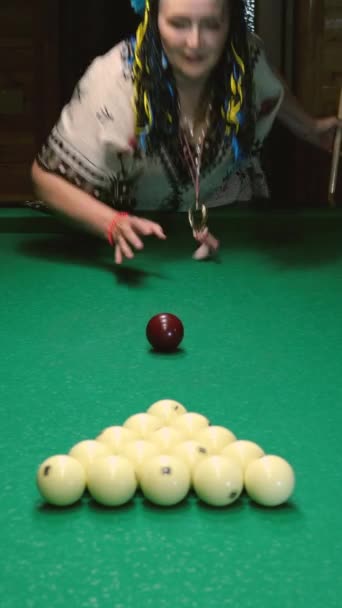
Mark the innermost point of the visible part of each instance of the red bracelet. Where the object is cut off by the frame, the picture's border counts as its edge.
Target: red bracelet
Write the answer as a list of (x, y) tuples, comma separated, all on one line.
[(115, 221)]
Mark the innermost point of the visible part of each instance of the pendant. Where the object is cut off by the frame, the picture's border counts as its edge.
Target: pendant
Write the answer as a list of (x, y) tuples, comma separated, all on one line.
[(198, 217)]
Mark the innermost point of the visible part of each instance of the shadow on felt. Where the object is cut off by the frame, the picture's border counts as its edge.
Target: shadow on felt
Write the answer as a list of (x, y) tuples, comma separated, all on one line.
[(288, 241), (83, 250)]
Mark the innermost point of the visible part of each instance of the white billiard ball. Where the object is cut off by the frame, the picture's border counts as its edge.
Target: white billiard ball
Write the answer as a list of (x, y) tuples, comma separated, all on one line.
[(87, 451), (165, 480), (215, 438), (243, 451), (115, 437), (138, 452), (111, 480), (166, 438), (191, 452), (166, 410), (61, 480), (190, 423), (270, 480), (143, 424), (218, 481)]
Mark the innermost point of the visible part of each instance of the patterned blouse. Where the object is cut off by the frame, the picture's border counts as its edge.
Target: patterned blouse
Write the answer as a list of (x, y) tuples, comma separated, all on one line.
[(93, 144)]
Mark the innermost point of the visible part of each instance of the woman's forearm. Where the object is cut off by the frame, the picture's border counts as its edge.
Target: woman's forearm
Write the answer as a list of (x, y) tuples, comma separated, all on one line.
[(293, 115), (71, 202)]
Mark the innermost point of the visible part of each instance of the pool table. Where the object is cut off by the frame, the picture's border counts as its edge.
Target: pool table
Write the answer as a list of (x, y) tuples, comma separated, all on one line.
[(261, 355)]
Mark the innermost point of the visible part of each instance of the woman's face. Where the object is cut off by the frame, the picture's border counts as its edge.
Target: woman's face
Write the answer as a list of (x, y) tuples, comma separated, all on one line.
[(193, 34)]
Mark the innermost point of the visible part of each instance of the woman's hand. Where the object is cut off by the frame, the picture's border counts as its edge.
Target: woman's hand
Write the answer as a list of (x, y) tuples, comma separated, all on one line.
[(319, 132), (208, 244), (324, 131), (126, 232)]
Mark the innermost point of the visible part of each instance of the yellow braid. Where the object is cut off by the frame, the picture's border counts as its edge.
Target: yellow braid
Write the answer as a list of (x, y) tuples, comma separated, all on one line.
[(147, 108), (137, 69), (141, 31), (239, 60), (236, 101)]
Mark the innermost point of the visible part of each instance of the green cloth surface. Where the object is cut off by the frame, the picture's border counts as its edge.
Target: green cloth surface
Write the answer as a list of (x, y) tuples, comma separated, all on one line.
[(262, 355)]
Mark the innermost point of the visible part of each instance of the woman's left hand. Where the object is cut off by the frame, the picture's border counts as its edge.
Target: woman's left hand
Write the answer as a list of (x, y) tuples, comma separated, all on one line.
[(208, 244), (319, 132), (324, 131)]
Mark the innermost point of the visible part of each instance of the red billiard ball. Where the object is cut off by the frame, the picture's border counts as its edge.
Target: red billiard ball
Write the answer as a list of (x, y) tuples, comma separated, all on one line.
[(165, 332)]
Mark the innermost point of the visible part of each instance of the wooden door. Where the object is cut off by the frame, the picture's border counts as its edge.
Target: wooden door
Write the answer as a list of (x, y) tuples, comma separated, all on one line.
[(317, 83), (29, 88)]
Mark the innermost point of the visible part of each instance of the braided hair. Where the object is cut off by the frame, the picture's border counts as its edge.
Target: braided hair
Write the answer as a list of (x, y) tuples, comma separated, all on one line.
[(155, 94)]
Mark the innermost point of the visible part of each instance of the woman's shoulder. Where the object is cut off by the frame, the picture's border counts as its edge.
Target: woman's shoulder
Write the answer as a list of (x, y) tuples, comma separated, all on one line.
[(111, 70), (256, 48), (268, 90), (259, 60), (254, 41), (106, 87)]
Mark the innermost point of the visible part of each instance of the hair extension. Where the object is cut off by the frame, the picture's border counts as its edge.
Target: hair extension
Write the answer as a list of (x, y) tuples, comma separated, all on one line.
[(155, 94)]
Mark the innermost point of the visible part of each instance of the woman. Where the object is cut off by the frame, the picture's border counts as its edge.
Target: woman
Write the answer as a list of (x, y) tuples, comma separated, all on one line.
[(167, 120)]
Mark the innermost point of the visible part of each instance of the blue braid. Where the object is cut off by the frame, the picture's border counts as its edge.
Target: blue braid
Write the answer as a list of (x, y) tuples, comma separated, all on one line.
[(138, 6)]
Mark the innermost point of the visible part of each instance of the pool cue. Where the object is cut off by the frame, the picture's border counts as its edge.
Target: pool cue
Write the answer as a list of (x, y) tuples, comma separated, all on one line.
[(335, 157)]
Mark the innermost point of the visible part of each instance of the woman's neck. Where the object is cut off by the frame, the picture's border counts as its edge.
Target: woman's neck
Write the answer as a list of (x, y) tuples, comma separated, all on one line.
[(193, 99)]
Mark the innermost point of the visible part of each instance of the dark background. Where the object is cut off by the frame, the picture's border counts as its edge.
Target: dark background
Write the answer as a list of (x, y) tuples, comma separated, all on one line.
[(89, 28)]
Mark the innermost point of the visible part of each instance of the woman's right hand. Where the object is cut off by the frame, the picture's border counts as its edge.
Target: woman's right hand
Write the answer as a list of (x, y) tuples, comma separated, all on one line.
[(126, 233)]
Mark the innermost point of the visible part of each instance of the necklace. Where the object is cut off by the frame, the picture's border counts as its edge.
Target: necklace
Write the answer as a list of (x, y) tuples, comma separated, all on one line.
[(198, 212)]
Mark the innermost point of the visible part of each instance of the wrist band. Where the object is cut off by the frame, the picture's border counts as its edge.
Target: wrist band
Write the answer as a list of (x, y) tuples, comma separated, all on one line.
[(115, 221)]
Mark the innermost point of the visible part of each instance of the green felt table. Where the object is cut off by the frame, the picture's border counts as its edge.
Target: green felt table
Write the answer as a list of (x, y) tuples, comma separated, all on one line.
[(262, 355)]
